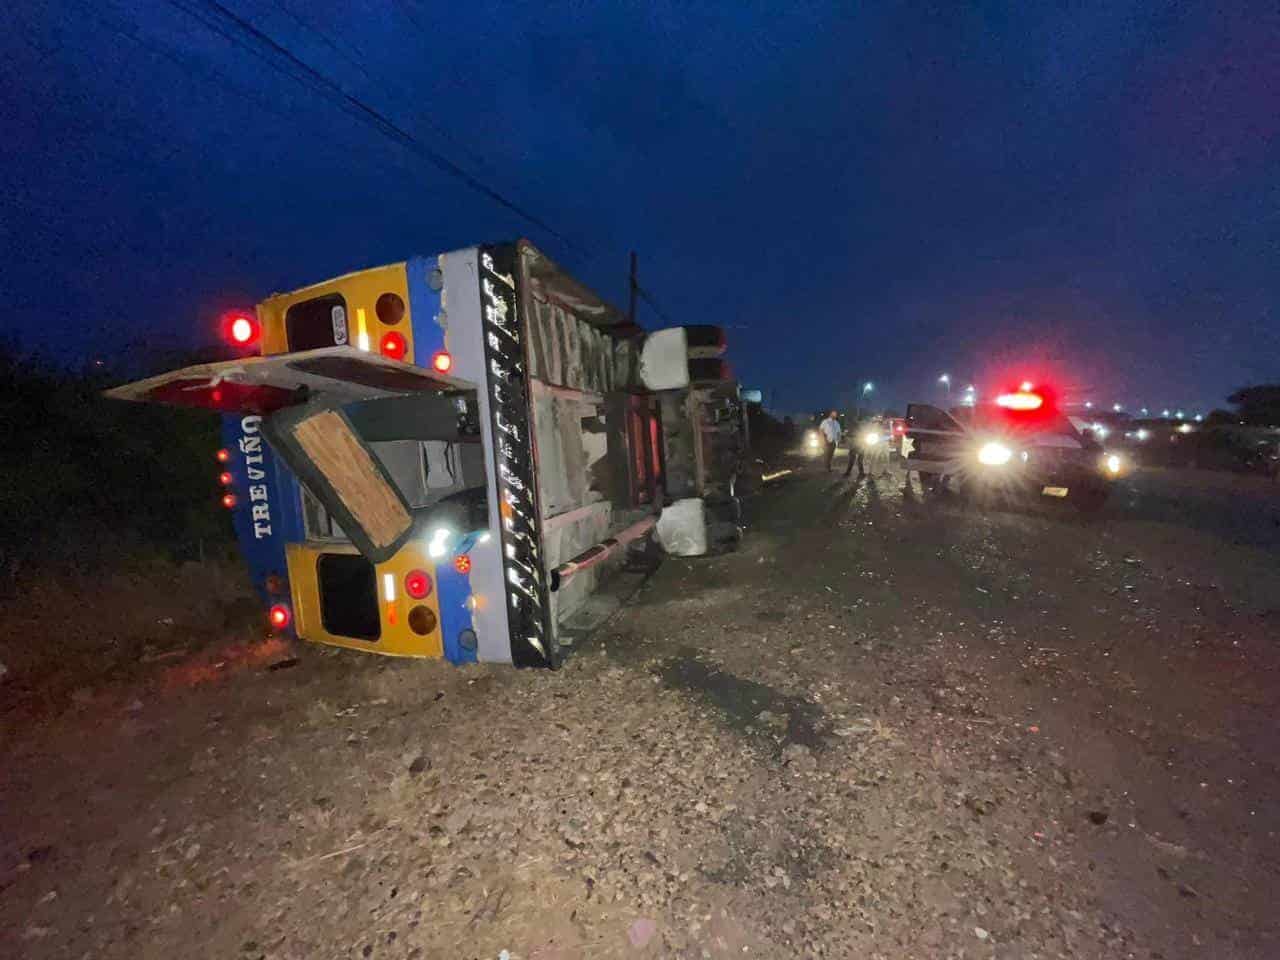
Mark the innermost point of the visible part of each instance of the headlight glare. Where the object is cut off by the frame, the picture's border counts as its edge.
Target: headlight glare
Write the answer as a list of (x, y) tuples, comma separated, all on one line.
[(994, 454)]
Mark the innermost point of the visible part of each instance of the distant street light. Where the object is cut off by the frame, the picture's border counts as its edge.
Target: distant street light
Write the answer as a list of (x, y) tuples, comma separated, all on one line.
[(1198, 418), (1164, 413), (945, 380), (1088, 404), (1178, 414), (1116, 407), (1144, 411), (867, 387)]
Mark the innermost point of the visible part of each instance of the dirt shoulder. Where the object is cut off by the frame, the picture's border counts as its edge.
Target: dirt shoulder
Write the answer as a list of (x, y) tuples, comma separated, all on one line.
[(831, 744)]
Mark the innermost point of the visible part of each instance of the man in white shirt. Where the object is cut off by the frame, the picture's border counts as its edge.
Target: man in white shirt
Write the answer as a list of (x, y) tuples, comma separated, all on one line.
[(830, 430)]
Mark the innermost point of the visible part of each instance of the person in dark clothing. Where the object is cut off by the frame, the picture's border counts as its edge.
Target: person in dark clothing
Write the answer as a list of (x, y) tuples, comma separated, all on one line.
[(859, 444)]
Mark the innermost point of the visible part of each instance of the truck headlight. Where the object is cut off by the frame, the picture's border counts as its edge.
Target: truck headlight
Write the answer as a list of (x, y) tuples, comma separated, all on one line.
[(994, 454), (1112, 464)]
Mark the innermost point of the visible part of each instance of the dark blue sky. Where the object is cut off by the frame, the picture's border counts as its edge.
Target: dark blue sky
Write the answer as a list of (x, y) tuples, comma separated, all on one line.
[(1091, 190)]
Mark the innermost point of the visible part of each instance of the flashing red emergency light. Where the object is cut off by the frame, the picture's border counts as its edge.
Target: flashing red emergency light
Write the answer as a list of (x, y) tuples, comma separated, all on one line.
[(224, 478), (279, 616), (240, 328), (462, 563), (228, 500), (442, 360), (1022, 400), (223, 455), (393, 346), (417, 584)]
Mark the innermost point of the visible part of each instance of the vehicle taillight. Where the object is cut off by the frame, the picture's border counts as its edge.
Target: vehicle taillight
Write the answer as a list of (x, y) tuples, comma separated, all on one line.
[(1022, 400), (240, 328), (417, 584), (223, 455), (279, 616), (393, 346), (442, 361), (462, 563), (228, 500), (224, 478)]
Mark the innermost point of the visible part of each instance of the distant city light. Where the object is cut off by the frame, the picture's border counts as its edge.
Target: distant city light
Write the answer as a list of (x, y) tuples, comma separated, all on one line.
[(1164, 413), (1197, 418), (945, 378), (868, 387), (1178, 414), (1144, 411), (1116, 407), (1088, 404)]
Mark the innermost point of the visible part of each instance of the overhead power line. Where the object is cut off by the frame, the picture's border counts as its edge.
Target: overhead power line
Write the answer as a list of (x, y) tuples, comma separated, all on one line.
[(299, 70)]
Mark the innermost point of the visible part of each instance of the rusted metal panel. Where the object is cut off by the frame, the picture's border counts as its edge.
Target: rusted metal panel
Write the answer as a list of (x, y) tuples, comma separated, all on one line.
[(570, 540), (568, 352), (569, 446), (581, 356)]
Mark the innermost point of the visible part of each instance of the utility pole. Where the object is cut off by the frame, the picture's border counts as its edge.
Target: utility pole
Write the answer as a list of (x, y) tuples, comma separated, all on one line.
[(631, 312)]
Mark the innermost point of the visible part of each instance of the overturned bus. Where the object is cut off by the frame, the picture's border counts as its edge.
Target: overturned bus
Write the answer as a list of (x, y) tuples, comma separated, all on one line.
[(445, 457)]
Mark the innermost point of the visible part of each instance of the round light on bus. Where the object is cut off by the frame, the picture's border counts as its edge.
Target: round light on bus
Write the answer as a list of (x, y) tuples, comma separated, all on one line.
[(462, 563), (223, 455), (417, 584), (240, 328), (393, 346), (228, 500), (390, 308), (279, 616), (422, 620), (442, 361), (224, 478), (994, 454)]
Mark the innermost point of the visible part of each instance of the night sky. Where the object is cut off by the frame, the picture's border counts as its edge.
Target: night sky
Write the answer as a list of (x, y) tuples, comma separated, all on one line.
[(1087, 191)]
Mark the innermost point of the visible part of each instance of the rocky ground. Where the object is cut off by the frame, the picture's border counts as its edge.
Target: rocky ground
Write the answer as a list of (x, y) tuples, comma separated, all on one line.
[(888, 727)]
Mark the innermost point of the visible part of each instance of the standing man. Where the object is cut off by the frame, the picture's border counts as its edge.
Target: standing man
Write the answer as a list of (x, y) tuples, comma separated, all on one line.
[(857, 449), (830, 430)]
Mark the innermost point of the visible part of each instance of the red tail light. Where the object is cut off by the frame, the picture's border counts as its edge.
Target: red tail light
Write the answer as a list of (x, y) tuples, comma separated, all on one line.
[(279, 616), (224, 478), (417, 584), (240, 328), (442, 361), (1022, 400), (462, 563), (228, 500), (393, 346), (223, 455)]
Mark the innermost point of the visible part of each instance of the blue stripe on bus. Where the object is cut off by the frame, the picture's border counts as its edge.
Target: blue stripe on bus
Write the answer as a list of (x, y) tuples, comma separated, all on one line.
[(424, 308), (453, 590), (262, 545)]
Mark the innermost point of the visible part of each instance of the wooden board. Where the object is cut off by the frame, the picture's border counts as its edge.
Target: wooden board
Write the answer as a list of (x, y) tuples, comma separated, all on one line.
[(338, 454)]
